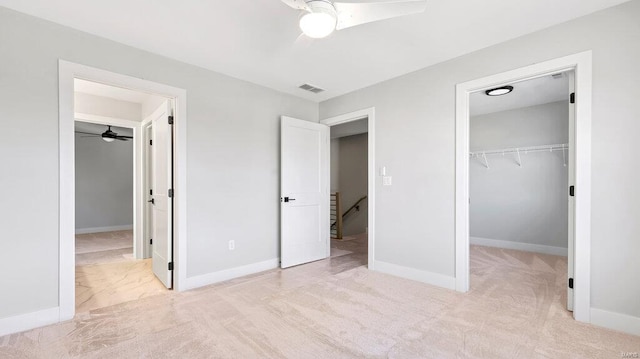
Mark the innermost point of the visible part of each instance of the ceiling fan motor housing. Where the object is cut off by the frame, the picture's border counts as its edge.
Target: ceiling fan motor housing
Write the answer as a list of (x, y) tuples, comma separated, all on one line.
[(322, 6), (109, 134)]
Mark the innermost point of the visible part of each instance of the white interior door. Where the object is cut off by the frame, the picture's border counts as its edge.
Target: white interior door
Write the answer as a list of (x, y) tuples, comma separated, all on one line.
[(572, 202), (304, 202), (162, 187)]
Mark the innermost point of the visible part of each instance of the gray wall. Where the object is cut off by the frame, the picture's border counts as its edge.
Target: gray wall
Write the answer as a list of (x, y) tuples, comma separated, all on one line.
[(104, 171), (415, 140), (349, 177), (335, 164), (104, 183), (525, 204), (232, 143)]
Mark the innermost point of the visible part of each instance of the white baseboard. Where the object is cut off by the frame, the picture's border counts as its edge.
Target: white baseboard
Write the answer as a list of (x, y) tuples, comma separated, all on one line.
[(22, 322), (231, 273), (439, 280), (125, 227), (616, 321), (527, 247)]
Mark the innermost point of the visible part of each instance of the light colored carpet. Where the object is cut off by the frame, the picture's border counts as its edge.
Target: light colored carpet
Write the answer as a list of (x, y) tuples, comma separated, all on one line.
[(107, 284), (103, 257), (335, 252), (359, 236), (329, 309), (107, 275), (97, 242)]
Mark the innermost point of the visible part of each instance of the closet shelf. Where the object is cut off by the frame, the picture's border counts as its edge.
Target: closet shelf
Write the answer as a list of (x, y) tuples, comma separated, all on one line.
[(517, 151)]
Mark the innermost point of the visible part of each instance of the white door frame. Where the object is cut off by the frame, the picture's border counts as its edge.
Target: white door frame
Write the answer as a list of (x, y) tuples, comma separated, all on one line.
[(67, 72), (369, 114), (581, 63), (138, 175)]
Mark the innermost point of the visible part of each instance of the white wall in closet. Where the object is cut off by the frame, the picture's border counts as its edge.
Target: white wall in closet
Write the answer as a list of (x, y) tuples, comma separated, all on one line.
[(520, 207)]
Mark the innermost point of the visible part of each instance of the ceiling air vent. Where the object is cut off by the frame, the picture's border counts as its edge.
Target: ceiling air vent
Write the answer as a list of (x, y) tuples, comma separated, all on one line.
[(311, 88)]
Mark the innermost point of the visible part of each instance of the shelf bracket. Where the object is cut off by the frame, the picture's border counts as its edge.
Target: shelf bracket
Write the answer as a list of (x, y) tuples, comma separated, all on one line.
[(486, 163), (519, 161)]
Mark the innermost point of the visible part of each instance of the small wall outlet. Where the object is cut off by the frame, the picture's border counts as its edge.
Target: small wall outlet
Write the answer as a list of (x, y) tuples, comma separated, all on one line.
[(232, 245)]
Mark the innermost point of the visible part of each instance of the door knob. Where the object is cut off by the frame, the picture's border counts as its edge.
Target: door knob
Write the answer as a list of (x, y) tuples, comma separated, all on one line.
[(152, 201), (287, 199)]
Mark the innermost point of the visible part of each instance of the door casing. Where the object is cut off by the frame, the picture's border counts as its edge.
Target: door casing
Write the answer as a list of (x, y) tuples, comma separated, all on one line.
[(581, 64), (67, 73)]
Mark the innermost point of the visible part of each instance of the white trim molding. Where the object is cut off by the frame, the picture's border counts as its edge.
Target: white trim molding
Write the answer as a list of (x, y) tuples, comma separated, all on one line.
[(581, 63), (23, 322), (126, 227), (67, 72), (519, 246), (370, 115), (616, 321), (437, 279), (231, 273)]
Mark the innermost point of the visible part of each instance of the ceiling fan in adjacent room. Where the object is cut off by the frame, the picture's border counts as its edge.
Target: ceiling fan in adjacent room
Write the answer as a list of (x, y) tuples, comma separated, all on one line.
[(322, 17), (108, 135)]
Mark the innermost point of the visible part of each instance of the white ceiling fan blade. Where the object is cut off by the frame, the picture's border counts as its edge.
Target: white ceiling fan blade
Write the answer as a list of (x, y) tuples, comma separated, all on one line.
[(297, 4), (352, 14)]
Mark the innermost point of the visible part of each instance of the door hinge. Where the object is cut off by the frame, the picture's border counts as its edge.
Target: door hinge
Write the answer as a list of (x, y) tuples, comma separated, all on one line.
[(572, 191), (151, 241), (150, 142), (170, 265), (572, 97), (170, 193), (171, 120), (150, 192), (571, 283)]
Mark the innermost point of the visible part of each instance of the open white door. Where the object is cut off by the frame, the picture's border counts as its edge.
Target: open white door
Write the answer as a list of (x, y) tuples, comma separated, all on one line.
[(304, 201), (162, 187), (572, 181)]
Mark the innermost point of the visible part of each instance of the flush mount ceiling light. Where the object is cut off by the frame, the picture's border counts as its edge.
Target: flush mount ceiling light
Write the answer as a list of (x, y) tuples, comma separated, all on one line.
[(320, 21), (499, 91)]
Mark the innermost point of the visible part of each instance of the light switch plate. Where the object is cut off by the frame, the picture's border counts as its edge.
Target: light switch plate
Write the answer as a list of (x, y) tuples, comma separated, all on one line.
[(386, 181)]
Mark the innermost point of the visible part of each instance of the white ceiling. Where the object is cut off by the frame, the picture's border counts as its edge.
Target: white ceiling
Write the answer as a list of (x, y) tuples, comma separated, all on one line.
[(116, 93), (533, 92), (259, 40)]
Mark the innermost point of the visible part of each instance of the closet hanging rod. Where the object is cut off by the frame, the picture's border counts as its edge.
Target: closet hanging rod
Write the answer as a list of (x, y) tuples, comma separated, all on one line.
[(521, 150)]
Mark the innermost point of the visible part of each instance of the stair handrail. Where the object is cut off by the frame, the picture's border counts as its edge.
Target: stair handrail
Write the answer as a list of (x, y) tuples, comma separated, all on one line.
[(355, 205)]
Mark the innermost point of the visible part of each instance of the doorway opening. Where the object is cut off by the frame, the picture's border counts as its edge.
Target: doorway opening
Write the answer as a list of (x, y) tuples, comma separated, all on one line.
[(521, 169), (349, 189), (579, 134), (165, 108), (353, 143), (113, 212)]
